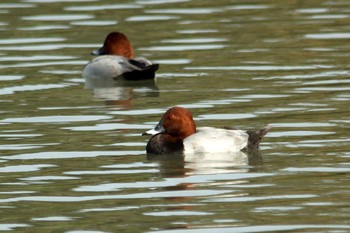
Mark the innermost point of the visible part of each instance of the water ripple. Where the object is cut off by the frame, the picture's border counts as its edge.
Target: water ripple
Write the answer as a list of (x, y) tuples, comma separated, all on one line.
[(41, 28), (18, 192), (248, 7), (111, 172), (317, 169), (310, 89), (36, 58), (57, 1), (64, 17), (312, 10), (339, 35), (12, 226), (298, 133), (168, 182), (102, 7), (309, 76), (10, 77), (260, 68), (178, 213), (165, 194), (256, 228), (329, 16), (18, 146), (46, 178), (95, 23), (45, 47), (195, 40), (12, 90), (185, 11), (55, 119), (15, 136), (303, 124), (150, 18), (15, 5), (69, 154), (30, 40), (184, 47), (173, 62), (276, 209), (151, 2), (109, 209), (254, 199), (130, 165), (24, 168), (53, 219), (226, 116), (112, 126), (196, 31)]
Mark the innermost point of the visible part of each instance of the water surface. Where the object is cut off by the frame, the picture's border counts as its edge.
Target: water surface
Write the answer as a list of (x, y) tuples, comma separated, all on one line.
[(72, 158)]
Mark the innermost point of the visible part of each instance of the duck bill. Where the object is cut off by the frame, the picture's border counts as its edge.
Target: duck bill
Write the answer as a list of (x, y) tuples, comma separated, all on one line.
[(156, 130), (100, 51)]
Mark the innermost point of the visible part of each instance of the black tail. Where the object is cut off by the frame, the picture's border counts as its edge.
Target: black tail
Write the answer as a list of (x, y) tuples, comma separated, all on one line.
[(145, 73), (255, 137)]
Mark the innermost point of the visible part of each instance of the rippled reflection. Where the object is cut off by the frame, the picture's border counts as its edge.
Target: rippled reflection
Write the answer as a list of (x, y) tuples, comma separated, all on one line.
[(109, 89)]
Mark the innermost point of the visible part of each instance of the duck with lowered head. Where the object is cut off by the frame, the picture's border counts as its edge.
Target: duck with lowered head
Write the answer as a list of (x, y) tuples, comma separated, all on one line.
[(116, 61)]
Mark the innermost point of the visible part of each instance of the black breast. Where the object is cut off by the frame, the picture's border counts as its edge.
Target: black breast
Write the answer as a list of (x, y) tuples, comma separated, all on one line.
[(157, 145)]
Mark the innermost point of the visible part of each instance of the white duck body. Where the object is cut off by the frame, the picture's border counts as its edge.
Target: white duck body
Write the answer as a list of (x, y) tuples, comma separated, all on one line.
[(215, 140), (112, 66)]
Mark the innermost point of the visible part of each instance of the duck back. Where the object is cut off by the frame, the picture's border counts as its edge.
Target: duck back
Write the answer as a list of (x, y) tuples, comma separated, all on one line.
[(215, 140)]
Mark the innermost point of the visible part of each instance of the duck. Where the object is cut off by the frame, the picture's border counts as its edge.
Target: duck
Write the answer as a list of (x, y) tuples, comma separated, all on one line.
[(176, 133), (116, 61)]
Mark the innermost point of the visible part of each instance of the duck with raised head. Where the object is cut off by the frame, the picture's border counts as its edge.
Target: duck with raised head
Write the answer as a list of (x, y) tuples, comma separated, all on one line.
[(176, 133), (116, 61)]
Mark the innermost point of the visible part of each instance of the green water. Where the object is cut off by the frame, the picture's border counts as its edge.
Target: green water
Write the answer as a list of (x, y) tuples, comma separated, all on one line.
[(72, 159)]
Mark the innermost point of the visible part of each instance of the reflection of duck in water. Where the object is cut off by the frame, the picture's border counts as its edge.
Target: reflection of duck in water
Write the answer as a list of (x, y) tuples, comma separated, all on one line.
[(195, 172), (111, 90), (117, 75), (178, 165), (117, 61), (176, 133)]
